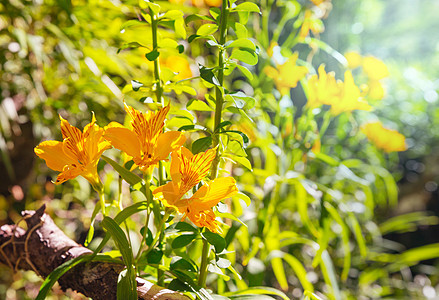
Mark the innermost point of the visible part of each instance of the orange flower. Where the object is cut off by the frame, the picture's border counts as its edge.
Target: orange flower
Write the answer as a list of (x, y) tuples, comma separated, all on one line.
[(187, 170), (145, 143), (287, 75), (386, 139), (78, 154)]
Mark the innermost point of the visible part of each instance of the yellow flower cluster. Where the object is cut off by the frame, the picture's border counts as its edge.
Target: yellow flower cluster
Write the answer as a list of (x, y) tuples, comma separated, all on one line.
[(286, 75), (341, 96), (146, 144), (375, 70), (386, 139)]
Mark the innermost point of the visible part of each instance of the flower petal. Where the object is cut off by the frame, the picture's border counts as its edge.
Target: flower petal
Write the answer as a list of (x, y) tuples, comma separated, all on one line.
[(210, 194), (168, 194), (123, 139), (167, 142), (73, 141), (194, 170), (52, 152), (69, 172)]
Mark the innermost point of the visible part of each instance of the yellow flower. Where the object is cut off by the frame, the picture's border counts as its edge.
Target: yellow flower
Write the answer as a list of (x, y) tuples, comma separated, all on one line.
[(376, 90), (179, 65), (287, 75), (341, 96), (78, 153), (146, 143), (322, 89), (354, 59), (187, 170), (350, 97), (375, 68), (270, 50), (311, 22), (386, 139)]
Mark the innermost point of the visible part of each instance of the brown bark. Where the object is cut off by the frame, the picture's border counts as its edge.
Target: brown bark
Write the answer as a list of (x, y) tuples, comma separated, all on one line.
[(43, 247)]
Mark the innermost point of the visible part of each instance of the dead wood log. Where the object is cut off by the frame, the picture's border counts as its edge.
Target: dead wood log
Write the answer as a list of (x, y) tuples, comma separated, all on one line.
[(43, 247)]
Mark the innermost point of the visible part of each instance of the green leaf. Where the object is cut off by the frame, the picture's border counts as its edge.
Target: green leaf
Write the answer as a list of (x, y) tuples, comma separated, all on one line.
[(131, 23), (223, 263), (329, 275), (128, 176), (61, 270), (128, 286), (196, 17), (231, 217), (244, 136), (216, 240), (299, 270), (183, 240), (356, 228), (130, 45), (241, 31), (57, 273), (183, 226), (258, 290), (246, 56), (223, 124), (179, 263), (119, 238), (407, 222), (192, 38), (242, 43), (172, 14), (92, 222), (154, 256), (279, 272), (136, 85), (207, 74), (124, 290), (198, 105), (180, 49), (201, 145), (148, 237), (345, 239), (207, 29), (179, 28), (245, 71), (247, 6), (154, 7), (151, 56), (243, 197), (122, 216)]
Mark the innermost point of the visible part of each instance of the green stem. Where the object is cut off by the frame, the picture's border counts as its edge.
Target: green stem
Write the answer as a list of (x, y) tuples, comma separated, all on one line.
[(157, 236), (102, 201), (159, 96), (159, 88), (325, 124), (147, 178), (204, 260), (219, 96)]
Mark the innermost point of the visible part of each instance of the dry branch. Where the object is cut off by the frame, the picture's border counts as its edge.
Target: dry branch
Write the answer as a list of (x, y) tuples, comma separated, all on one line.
[(44, 247)]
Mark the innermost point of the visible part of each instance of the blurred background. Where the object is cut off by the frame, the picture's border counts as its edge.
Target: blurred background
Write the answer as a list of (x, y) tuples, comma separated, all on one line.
[(61, 58)]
